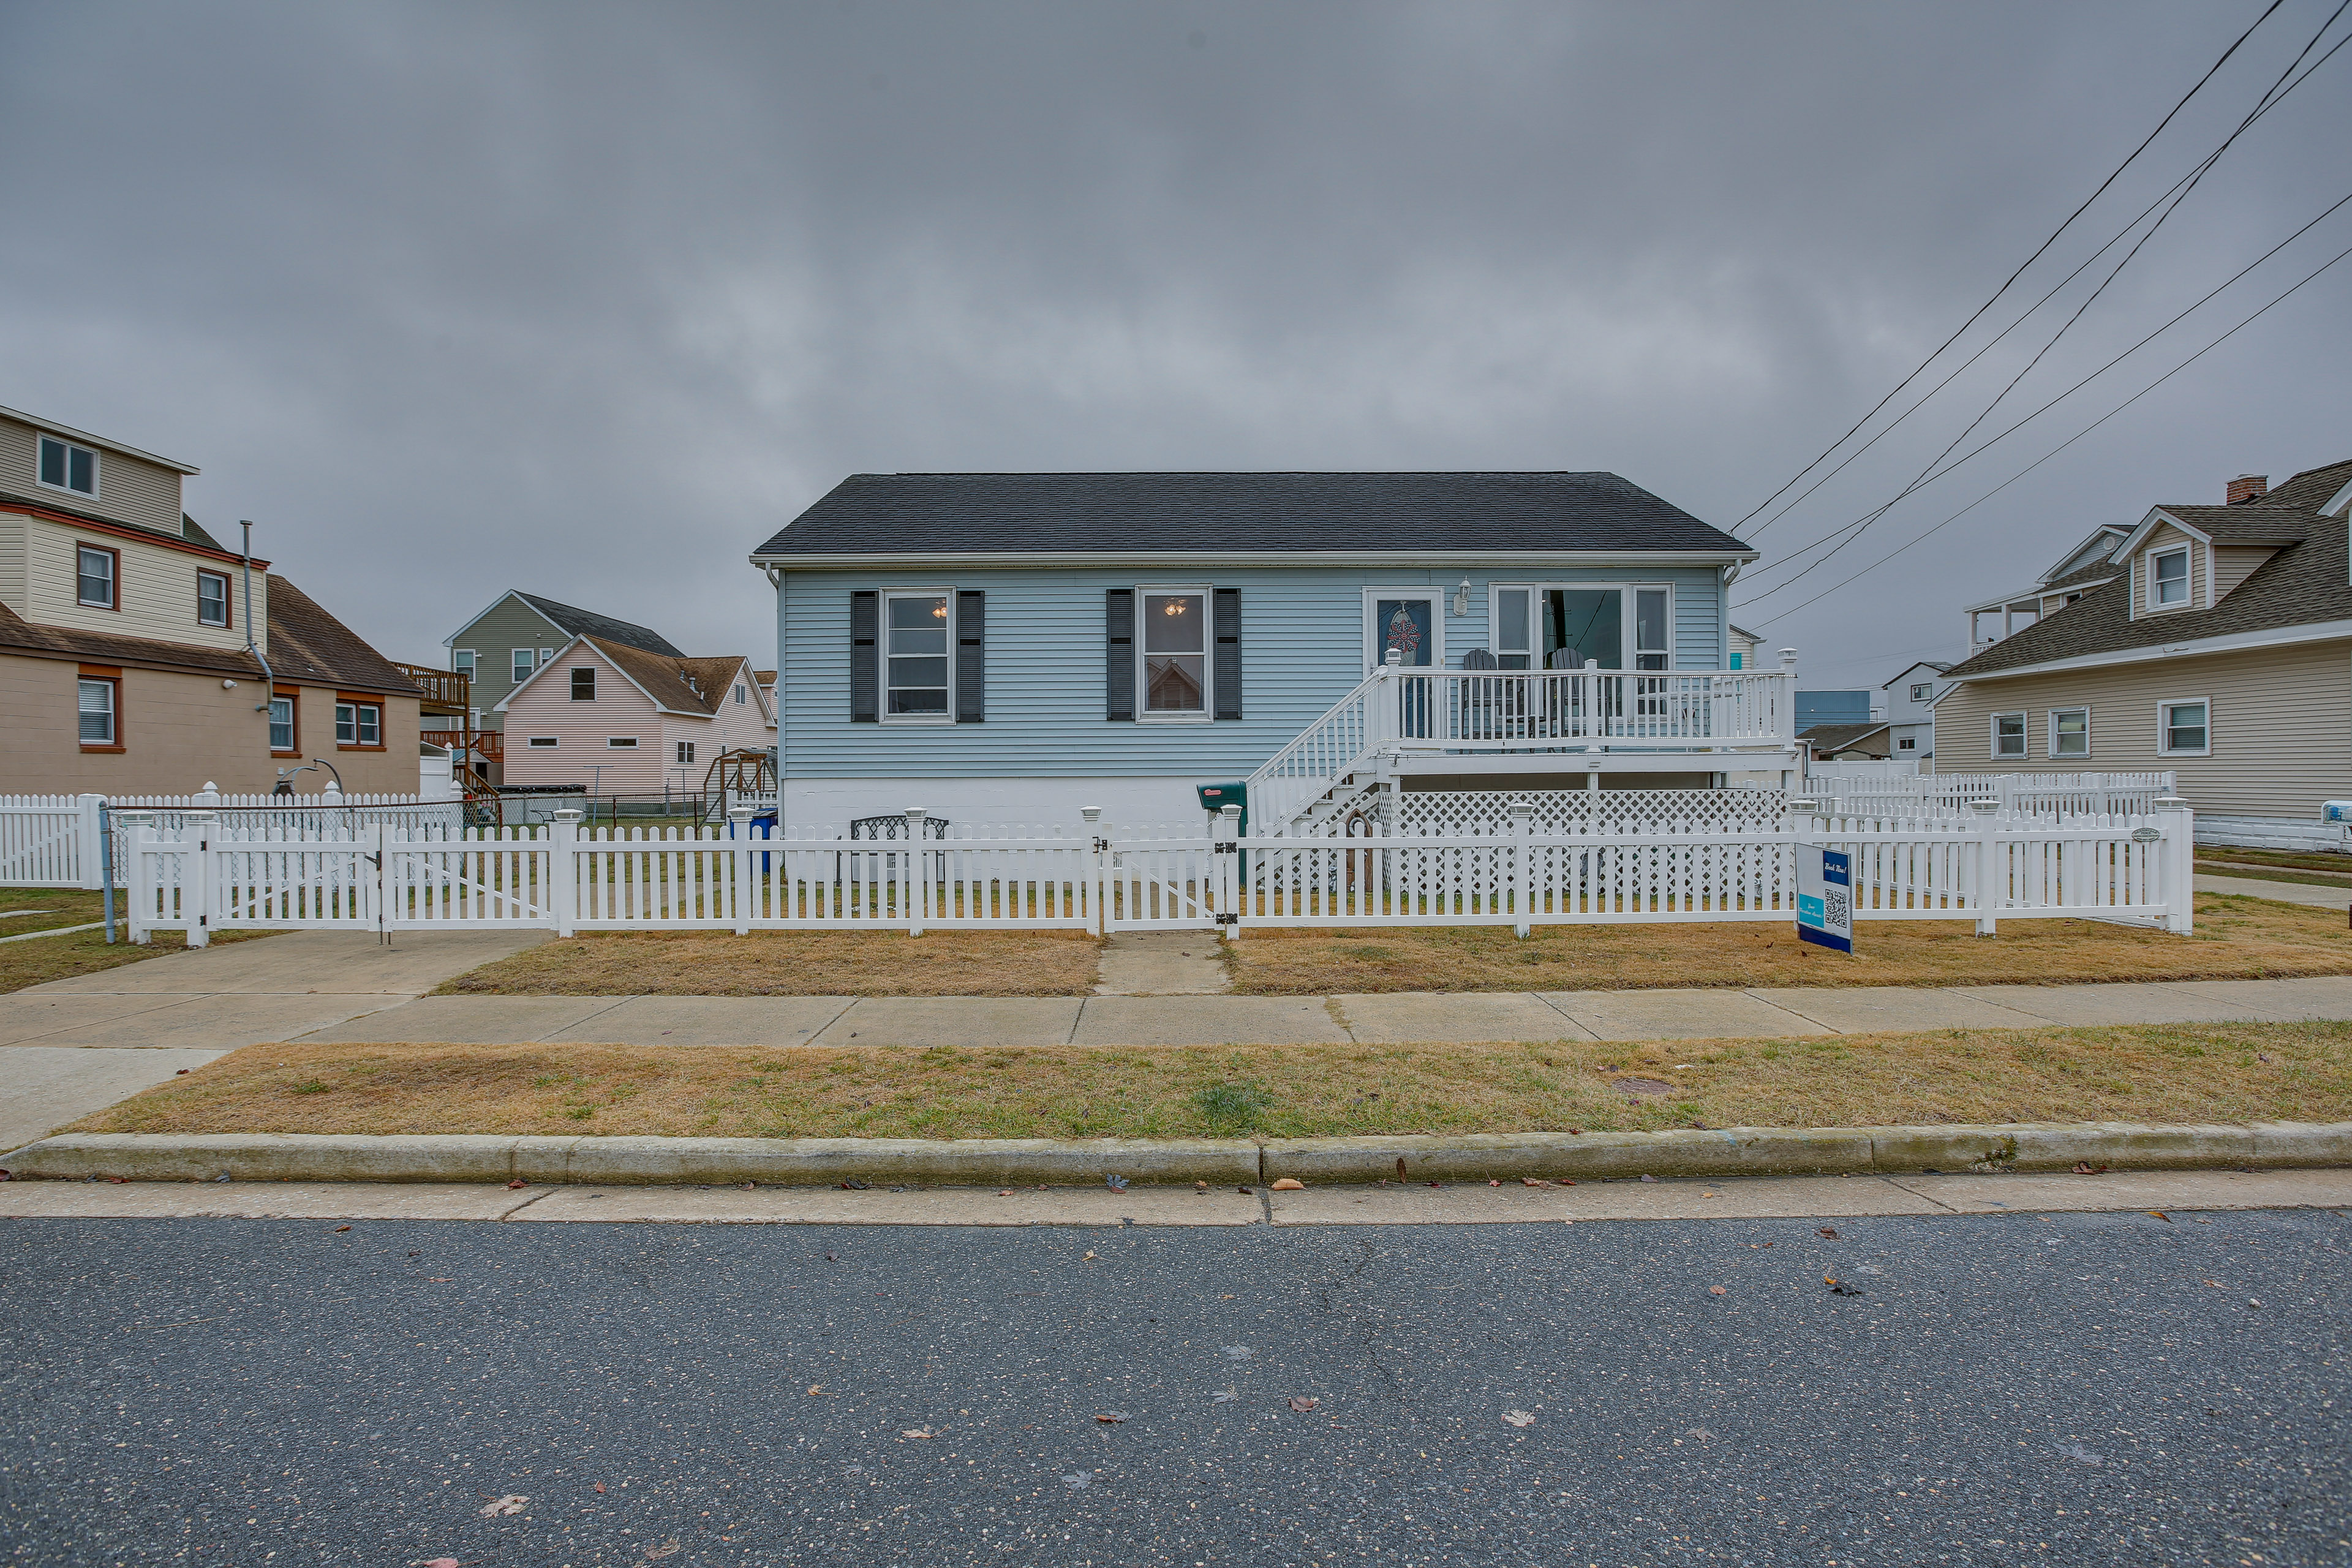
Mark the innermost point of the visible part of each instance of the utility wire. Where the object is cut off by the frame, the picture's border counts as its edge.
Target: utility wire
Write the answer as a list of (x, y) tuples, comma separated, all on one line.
[(2029, 261), (2134, 397), (1853, 529), (2178, 192)]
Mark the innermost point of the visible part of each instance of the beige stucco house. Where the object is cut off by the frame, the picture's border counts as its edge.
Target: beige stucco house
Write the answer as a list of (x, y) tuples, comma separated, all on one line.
[(2213, 641), (125, 663), (612, 719)]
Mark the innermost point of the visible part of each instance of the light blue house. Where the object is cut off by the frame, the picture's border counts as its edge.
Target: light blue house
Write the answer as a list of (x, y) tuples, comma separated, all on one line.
[(1007, 647)]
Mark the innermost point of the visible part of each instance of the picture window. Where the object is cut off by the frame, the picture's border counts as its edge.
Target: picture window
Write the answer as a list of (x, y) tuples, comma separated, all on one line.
[(541, 742), (621, 742)]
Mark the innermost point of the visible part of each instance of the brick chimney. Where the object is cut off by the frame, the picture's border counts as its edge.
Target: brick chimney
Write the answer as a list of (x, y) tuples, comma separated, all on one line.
[(2249, 487)]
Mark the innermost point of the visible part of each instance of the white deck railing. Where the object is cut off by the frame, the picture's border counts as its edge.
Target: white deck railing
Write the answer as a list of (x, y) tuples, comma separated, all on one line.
[(2033, 794)]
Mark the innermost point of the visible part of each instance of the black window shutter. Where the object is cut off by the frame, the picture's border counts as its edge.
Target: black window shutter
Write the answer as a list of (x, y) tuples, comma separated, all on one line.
[(1229, 653), (1119, 653), (972, 657), (865, 658)]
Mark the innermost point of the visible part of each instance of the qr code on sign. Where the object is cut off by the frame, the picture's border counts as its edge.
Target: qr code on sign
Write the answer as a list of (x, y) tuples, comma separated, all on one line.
[(1836, 908)]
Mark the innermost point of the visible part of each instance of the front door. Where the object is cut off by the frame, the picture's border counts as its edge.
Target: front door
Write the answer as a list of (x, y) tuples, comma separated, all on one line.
[(1409, 623)]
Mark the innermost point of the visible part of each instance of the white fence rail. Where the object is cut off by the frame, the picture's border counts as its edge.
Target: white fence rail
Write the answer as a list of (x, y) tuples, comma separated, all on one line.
[(2034, 794), (53, 841), (205, 876)]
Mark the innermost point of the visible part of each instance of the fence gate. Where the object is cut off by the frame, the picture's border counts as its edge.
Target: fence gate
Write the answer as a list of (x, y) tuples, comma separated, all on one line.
[(1176, 883)]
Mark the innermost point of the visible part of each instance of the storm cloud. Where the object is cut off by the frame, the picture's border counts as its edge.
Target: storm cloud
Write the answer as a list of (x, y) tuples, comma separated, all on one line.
[(587, 300)]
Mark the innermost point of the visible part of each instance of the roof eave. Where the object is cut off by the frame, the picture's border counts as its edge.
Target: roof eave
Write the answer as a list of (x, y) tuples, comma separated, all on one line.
[(837, 562), (38, 423), (2232, 642)]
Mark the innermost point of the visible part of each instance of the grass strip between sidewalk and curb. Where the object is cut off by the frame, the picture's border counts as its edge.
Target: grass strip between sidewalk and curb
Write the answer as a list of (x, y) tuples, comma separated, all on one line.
[(2140, 1073), (794, 963)]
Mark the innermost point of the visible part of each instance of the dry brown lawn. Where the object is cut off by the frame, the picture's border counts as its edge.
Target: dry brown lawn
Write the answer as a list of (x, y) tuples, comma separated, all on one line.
[(794, 963), (2207, 1072), (2236, 939), (24, 964)]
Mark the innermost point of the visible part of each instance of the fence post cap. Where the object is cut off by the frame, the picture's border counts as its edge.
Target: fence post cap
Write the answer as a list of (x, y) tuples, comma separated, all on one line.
[(570, 813), (1521, 807), (740, 813), (916, 814), (198, 814), (1091, 813), (1393, 659), (1984, 807), (1230, 813), (1803, 803), (2171, 802), (134, 817)]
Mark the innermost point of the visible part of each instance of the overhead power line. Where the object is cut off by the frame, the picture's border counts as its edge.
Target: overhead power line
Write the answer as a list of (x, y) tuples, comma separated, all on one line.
[(2070, 441), (2029, 261)]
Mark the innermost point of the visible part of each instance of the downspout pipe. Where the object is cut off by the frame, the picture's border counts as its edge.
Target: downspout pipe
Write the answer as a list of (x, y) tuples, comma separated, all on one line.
[(268, 677)]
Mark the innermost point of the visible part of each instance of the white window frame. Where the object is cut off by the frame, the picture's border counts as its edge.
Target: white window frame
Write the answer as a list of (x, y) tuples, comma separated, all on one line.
[(2187, 577), (2024, 736), (1923, 690), (228, 615), (2052, 738), (882, 662), (352, 711), (1906, 744), (542, 743), (619, 742), (741, 698), (1207, 596), (470, 668), (514, 654), (114, 601), (293, 746), (1629, 652), (2164, 708), (682, 754), (96, 479), (113, 736)]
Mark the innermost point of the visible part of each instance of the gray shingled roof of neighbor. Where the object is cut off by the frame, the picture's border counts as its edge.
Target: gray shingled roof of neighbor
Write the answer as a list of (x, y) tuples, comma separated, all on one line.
[(2309, 580), (1838, 737), (581, 623), (883, 515)]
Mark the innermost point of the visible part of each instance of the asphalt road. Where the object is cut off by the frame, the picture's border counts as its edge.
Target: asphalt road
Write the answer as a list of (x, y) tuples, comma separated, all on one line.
[(2004, 1390)]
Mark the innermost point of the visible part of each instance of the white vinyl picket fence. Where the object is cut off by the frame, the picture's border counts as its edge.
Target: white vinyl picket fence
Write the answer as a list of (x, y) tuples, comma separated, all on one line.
[(53, 841), (1926, 796), (205, 876)]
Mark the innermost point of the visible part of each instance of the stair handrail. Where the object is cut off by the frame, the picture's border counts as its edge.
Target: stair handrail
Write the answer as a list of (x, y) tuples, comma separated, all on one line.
[(1267, 799)]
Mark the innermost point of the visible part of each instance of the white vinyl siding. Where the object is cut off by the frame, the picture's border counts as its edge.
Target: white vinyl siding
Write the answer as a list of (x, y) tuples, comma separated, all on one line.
[(39, 577), (2184, 727), (95, 577), (2070, 733), (212, 599), (2008, 735), (2197, 586), (67, 466)]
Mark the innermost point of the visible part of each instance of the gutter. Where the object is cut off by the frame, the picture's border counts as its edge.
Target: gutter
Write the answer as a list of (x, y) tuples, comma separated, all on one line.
[(2239, 642), (269, 677), (1442, 559)]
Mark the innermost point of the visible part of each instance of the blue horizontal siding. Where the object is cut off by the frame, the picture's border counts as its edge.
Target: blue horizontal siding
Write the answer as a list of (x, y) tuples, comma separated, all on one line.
[(1302, 649)]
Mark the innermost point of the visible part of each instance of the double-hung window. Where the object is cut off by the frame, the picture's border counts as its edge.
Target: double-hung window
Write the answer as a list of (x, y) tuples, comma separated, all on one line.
[(2070, 731), (2008, 734), (282, 734), (584, 684), (99, 701), (212, 599), (98, 573), (2168, 578), (66, 467), (685, 751), (523, 665), (2184, 728), (1174, 650), (916, 629), (359, 724), (461, 660)]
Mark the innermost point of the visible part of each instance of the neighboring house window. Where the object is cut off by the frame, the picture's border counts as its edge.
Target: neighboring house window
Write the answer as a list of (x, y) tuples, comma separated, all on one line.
[(739, 694), (97, 576), (522, 664), (359, 724), (461, 660), (283, 736), (212, 599), (2184, 728), (621, 742), (2008, 734), (1906, 744), (584, 685), (915, 658), (66, 467), (685, 751), (546, 657), (1174, 649), (1922, 691), (100, 701), (2168, 577), (2070, 731), (543, 742)]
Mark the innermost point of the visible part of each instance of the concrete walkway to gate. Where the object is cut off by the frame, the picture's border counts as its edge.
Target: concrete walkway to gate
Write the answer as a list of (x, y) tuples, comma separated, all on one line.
[(72, 1047)]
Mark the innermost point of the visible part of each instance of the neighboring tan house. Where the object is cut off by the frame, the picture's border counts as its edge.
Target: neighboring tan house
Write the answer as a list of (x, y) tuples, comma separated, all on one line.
[(123, 664), (1743, 645), (2215, 641), (499, 648), (1910, 709), (613, 719)]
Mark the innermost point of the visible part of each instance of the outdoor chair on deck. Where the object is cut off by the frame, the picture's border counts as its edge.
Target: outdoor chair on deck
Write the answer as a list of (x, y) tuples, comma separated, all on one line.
[(1486, 706)]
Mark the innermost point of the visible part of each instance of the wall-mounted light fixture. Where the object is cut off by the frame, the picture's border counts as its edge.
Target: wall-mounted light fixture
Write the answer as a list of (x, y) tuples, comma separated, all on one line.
[(1462, 598)]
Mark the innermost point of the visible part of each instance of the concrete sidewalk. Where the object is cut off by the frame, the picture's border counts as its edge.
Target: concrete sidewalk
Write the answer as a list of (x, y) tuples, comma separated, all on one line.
[(2307, 893)]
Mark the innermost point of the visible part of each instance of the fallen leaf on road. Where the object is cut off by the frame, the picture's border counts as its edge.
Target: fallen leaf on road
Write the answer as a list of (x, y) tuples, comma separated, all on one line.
[(1078, 1480), (1116, 1183), (2076, 1451), (654, 1553), (1200, 1186), (2162, 1216), (1839, 1287), (2215, 1283), (516, 1185), (1702, 1434), (1111, 1417), (1247, 1192), (507, 1504), (1289, 1185), (340, 1228), (429, 1562), (1649, 1178), (815, 1389), (2085, 1168), (1224, 1396), (1491, 1182), (1829, 1231), (1301, 1406), (833, 1258), (600, 1485), (1715, 1289), (1533, 1181), (1519, 1418), (1004, 1192), (1088, 1258), (919, 1433), (1238, 1352)]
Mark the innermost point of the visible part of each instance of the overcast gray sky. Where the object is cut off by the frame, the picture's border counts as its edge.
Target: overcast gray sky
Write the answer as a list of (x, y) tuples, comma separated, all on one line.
[(589, 299)]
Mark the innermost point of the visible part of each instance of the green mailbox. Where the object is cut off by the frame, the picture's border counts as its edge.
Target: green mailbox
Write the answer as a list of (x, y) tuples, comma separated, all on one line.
[(1216, 798)]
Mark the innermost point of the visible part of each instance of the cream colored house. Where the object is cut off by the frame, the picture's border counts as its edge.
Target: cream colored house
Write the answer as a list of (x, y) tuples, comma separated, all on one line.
[(611, 719), (2212, 641), (124, 658)]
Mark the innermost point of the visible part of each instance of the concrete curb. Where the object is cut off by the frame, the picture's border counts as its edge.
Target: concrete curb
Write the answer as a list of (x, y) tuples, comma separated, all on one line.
[(1026, 1162)]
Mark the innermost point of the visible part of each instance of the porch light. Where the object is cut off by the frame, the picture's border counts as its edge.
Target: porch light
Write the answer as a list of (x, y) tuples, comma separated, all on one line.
[(1462, 598)]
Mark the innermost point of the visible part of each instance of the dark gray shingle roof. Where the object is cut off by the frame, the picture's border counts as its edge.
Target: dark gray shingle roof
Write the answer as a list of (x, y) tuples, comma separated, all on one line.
[(2305, 581), (901, 514), (582, 623)]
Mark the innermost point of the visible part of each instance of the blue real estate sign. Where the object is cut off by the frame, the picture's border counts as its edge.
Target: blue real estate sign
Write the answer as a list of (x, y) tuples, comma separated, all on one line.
[(1825, 897)]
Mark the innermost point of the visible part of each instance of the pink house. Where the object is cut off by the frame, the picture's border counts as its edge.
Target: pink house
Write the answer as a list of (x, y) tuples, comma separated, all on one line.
[(616, 720)]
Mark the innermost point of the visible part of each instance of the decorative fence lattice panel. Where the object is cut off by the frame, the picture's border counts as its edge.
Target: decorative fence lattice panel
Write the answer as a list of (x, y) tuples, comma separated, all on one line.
[(1487, 811)]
